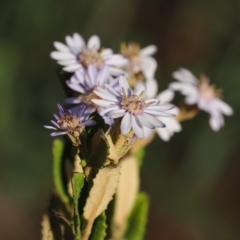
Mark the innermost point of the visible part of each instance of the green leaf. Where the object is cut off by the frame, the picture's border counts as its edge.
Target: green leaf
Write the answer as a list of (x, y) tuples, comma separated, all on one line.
[(57, 150), (139, 156), (77, 185), (99, 228), (138, 218)]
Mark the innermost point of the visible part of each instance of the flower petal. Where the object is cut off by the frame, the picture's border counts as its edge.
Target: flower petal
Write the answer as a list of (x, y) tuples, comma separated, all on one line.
[(149, 50), (55, 134), (126, 124), (62, 55), (144, 121), (93, 42), (103, 103), (61, 47), (157, 123), (72, 68), (124, 85), (137, 127), (184, 75)]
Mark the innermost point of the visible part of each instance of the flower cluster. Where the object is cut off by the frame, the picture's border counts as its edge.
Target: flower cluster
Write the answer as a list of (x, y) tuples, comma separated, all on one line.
[(123, 86)]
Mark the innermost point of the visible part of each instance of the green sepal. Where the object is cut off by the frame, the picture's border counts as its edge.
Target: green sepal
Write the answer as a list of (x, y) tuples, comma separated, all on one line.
[(57, 151), (77, 185), (99, 228), (138, 218)]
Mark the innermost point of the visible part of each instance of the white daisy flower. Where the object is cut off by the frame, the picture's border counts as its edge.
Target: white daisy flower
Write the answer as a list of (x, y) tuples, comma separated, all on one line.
[(200, 92), (137, 112), (76, 54), (140, 60)]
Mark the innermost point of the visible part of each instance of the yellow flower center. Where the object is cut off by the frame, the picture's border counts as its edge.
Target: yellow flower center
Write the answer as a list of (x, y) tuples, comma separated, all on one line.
[(91, 56), (133, 104), (207, 90)]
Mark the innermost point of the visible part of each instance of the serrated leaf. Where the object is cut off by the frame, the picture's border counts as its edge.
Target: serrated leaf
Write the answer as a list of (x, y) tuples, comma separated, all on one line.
[(138, 218), (77, 185), (101, 193), (57, 150), (127, 191), (99, 228)]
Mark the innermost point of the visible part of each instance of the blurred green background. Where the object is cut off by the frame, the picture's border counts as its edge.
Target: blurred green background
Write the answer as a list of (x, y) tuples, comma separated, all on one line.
[(193, 181)]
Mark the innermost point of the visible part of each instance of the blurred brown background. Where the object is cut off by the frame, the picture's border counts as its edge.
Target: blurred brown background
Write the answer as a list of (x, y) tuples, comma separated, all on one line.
[(193, 181)]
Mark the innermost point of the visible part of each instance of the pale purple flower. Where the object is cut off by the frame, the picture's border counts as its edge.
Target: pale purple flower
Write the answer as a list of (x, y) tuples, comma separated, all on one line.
[(76, 54), (137, 112), (70, 124), (200, 92)]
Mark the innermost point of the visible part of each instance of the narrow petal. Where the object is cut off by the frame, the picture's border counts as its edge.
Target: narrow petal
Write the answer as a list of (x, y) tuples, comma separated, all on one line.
[(89, 123), (184, 75), (151, 88), (67, 62), (107, 96), (156, 113), (140, 89), (55, 134), (216, 122), (103, 103), (117, 113), (79, 41), (54, 123), (72, 68), (107, 52), (112, 90), (75, 87), (116, 60), (126, 124), (93, 42), (124, 85), (106, 111), (164, 134), (61, 47), (49, 127), (161, 107), (149, 66), (166, 96), (72, 100), (62, 55), (149, 50), (92, 72), (157, 123), (144, 121), (137, 127), (224, 107), (103, 75)]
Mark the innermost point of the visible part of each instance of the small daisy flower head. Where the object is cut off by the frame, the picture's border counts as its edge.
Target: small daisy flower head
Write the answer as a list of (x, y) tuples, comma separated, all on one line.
[(76, 54), (135, 111), (141, 65), (70, 124), (203, 94)]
